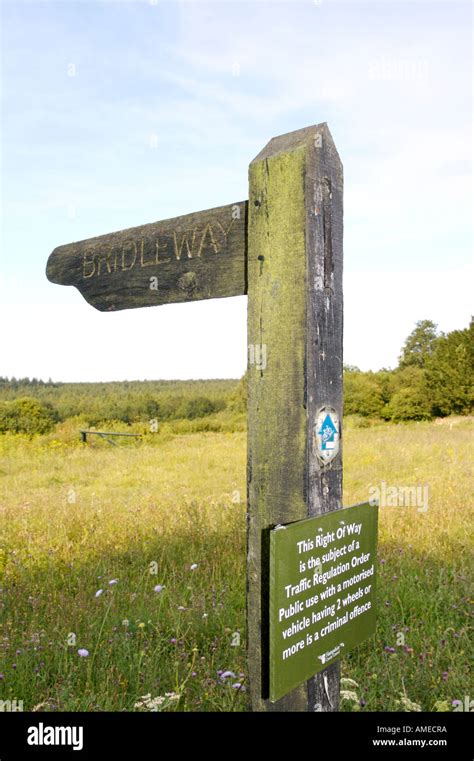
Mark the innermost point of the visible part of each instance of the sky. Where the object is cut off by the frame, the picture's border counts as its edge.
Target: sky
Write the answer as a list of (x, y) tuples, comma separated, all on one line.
[(116, 114)]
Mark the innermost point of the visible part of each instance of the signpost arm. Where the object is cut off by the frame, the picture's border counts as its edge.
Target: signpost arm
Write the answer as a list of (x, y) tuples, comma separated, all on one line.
[(295, 368), (188, 258)]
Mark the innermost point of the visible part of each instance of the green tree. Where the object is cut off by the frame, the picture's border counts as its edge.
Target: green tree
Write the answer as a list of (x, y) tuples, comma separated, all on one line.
[(450, 373), (410, 399), (419, 345)]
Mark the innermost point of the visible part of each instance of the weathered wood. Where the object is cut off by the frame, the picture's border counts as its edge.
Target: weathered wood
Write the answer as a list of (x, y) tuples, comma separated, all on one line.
[(188, 258), (295, 323)]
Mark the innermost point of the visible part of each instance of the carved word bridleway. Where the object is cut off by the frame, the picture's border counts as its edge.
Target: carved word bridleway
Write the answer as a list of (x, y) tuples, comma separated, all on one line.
[(196, 256)]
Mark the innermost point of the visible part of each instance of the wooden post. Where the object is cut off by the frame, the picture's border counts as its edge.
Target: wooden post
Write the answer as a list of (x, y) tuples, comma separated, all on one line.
[(295, 317)]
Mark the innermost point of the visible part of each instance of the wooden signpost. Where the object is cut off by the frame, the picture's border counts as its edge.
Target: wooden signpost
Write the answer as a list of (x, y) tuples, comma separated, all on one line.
[(283, 248)]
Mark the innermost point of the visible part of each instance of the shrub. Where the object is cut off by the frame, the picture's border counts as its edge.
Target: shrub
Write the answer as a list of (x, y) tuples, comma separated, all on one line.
[(362, 394), (201, 406), (26, 415)]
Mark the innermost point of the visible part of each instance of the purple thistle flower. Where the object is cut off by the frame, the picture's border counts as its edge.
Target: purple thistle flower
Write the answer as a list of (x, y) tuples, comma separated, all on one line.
[(226, 674)]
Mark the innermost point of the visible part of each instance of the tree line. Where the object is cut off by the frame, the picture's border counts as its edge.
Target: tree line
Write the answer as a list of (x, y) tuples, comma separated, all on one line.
[(434, 378)]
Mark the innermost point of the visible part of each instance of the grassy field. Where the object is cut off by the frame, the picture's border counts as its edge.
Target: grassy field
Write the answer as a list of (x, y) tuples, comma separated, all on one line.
[(135, 554)]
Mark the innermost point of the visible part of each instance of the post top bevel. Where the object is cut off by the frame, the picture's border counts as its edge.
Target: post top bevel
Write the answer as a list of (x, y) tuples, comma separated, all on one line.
[(297, 139)]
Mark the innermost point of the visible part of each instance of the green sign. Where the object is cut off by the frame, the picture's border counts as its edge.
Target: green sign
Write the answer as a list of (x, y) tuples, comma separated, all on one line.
[(322, 592)]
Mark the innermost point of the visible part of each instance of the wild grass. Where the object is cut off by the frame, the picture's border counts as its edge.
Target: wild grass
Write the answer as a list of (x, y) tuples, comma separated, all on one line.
[(163, 519)]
